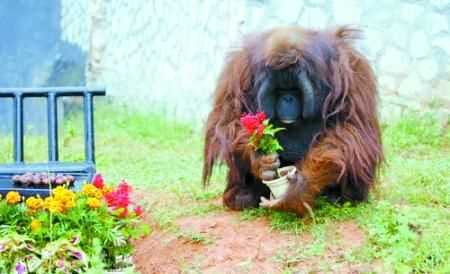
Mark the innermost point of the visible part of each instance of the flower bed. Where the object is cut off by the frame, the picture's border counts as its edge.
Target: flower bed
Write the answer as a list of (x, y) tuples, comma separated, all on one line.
[(69, 232)]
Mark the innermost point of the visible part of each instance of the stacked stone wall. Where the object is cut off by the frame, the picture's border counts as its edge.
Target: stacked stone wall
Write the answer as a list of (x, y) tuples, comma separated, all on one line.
[(165, 55)]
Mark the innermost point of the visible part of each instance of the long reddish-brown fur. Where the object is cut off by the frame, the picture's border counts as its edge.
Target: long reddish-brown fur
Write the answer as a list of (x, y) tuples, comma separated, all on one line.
[(348, 149)]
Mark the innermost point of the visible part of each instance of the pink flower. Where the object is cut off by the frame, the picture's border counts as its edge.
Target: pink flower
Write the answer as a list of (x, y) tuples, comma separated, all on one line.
[(138, 211), (124, 187), (98, 181), (60, 264), (117, 199), (21, 268), (78, 255)]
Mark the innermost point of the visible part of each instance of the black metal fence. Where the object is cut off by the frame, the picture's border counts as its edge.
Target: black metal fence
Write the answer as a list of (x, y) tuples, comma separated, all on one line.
[(81, 171)]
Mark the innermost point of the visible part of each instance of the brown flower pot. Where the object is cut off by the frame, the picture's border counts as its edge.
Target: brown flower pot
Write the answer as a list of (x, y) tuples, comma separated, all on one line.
[(279, 185)]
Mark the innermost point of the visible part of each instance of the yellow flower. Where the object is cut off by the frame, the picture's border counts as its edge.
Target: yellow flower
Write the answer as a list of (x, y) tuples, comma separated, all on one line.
[(35, 225), (98, 194), (53, 205), (93, 202), (107, 189), (13, 197), (34, 203), (88, 189), (91, 191), (69, 204), (65, 196)]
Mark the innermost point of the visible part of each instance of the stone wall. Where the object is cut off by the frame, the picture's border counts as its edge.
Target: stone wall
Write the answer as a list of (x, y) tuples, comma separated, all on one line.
[(33, 54), (165, 55)]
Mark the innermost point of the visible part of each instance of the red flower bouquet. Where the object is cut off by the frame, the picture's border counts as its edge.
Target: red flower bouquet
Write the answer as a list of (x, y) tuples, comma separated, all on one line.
[(262, 133)]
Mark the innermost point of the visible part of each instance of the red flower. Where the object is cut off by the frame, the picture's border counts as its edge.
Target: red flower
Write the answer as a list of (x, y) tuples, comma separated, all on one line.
[(124, 187), (260, 130), (117, 199), (261, 116), (249, 123), (98, 181), (138, 211), (253, 123), (120, 198)]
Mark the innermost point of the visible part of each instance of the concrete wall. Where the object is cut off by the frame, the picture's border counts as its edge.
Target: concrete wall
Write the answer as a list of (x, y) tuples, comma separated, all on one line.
[(166, 55)]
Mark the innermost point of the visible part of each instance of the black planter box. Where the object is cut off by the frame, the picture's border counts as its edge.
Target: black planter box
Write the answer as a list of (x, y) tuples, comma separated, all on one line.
[(81, 171)]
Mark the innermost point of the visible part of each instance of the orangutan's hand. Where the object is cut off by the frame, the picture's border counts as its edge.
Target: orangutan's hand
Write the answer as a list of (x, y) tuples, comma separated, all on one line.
[(265, 167)]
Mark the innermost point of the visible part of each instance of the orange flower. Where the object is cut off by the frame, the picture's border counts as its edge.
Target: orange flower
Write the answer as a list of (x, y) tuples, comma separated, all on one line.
[(53, 205), (34, 203), (91, 191), (121, 212), (35, 225), (93, 202), (107, 189), (65, 196), (13, 197)]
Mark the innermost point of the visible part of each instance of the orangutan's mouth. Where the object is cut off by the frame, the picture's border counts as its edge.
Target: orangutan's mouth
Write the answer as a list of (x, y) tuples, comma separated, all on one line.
[(288, 121)]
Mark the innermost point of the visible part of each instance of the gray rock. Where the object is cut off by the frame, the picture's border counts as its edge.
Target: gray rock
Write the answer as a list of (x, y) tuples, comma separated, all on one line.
[(410, 12), (287, 11), (348, 13), (413, 86), (427, 68), (388, 82), (436, 23), (313, 18), (394, 61), (400, 33), (442, 42), (440, 4), (374, 41), (420, 45), (442, 89), (317, 2)]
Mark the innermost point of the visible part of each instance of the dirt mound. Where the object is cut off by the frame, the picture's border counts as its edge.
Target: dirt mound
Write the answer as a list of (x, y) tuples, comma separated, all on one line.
[(227, 245), (222, 243), (237, 246)]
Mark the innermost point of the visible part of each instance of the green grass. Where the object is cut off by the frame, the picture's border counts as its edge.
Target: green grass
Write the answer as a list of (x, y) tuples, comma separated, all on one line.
[(406, 221)]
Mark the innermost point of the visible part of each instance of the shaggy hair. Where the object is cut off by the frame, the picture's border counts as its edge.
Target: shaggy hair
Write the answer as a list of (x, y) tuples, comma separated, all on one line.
[(346, 151)]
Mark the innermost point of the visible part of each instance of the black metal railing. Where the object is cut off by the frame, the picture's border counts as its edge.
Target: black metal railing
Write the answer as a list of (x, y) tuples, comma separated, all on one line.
[(81, 171)]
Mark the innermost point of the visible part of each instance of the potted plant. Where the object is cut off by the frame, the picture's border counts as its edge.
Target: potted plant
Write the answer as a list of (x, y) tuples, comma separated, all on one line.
[(263, 140)]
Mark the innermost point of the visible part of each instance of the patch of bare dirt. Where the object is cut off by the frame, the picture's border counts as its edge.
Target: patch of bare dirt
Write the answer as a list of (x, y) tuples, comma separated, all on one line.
[(350, 236), (163, 253), (238, 246), (233, 246), (222, 243)]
